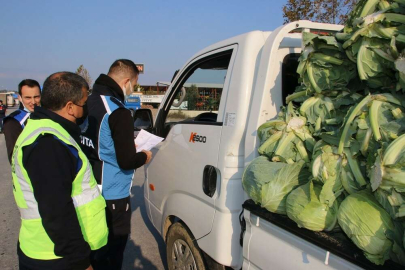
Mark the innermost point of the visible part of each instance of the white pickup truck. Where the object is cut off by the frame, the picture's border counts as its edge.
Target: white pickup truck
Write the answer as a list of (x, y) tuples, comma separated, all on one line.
[(193, 190)]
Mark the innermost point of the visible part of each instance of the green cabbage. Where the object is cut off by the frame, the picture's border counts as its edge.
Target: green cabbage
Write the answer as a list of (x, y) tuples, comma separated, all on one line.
[(393, 202), (368, 225), (286, 139), (304, 207), (259, 172), (372, 35), (274, 193), (266, 130), (324, 65), (388, 178), (326, 168)]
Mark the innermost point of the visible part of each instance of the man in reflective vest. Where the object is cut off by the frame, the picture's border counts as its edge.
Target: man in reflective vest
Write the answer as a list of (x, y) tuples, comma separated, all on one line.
[(62, 211), (29, 95)]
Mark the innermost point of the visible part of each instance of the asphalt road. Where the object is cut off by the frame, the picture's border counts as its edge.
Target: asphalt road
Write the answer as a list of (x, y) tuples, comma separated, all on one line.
[(145, 248)]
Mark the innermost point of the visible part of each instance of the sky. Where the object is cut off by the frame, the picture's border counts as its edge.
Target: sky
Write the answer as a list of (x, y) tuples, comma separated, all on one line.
[(38, 38)]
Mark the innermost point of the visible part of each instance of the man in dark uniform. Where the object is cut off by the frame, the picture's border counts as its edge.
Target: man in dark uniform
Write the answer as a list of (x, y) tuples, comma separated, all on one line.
[(108, 141), (3, 109), (29, 94)]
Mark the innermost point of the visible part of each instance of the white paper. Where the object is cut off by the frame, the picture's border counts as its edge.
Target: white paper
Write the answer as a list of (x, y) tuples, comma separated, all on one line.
[(146, 140), (230, 119)]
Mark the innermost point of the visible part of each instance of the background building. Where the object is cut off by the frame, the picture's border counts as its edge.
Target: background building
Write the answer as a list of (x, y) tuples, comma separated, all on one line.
[(200, 96)]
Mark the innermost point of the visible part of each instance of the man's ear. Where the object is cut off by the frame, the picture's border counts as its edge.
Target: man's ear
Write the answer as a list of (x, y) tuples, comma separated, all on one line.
[(125, 81), (69, 108), (19, 98)]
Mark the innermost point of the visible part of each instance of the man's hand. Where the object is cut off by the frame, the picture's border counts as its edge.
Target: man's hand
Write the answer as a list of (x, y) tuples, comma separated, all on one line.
[(89, 268), (148, 156)]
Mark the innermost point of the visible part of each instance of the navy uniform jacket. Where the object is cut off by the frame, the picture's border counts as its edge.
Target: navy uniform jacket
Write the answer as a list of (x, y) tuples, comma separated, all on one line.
[(13, 125), (108, 139)]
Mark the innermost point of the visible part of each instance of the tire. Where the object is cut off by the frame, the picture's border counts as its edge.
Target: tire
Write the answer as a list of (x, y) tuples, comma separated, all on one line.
[(182, 251)]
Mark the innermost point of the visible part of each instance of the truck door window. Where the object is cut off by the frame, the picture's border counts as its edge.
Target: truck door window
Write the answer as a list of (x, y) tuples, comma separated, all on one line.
[(289, 74), (198, 95)]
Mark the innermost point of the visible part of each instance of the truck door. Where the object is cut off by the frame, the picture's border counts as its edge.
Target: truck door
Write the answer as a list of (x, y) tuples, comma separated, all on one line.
[(182, 177)]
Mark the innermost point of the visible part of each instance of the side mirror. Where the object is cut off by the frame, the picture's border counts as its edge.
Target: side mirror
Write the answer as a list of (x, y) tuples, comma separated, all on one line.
[(143, 119), (182, 97)]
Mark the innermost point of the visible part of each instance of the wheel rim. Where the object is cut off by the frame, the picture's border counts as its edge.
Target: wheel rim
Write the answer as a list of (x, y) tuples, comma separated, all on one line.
[(182, 257)]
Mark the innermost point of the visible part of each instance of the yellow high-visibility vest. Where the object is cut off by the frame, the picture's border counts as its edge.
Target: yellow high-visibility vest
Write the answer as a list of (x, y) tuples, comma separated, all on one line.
[(87, 199)]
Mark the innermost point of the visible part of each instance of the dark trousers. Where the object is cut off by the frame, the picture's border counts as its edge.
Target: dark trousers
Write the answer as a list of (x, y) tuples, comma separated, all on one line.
[(1, 123), (22, 267), (118, 214), (114, 256)]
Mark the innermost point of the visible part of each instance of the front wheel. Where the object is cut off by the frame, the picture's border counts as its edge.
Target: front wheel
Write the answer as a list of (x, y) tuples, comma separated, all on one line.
[(182, 250)]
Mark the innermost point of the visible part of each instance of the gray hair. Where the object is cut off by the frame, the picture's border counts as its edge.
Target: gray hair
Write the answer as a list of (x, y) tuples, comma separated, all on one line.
[(60, 88)]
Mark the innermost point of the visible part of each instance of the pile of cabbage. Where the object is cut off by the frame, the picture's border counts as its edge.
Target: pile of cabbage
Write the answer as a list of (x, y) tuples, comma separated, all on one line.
[(334, 158)]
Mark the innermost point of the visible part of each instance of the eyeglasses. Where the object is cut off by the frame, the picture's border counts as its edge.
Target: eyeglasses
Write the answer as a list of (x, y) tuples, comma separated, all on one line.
[(81, 105)]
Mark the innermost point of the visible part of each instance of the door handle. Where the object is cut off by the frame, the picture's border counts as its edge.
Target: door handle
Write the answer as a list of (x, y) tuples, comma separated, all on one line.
[(209, 180)]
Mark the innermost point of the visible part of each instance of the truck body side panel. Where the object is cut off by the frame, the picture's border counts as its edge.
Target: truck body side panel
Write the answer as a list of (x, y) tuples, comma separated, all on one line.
[(266, 246)]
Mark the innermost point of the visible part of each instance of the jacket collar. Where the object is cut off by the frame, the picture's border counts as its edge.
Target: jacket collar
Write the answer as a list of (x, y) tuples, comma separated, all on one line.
[(73, 129), (105, 85)]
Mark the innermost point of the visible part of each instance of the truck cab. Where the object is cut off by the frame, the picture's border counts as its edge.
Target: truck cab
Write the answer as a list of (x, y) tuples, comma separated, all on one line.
[(193, 185)]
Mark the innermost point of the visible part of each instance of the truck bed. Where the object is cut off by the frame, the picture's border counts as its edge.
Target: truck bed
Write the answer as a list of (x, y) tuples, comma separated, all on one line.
[(335, 242)]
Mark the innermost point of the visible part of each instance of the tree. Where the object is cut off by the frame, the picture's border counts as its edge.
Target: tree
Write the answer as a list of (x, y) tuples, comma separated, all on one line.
[(296, 10), (192, 97), (326, 11), (211, 103), (333, 11), (82, 71), (138, 88)]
